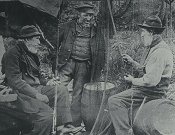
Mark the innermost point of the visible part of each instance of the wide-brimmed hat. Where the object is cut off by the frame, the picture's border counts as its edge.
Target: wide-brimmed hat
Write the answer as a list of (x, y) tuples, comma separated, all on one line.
[(89, 8), (153, 22), (29, 31)]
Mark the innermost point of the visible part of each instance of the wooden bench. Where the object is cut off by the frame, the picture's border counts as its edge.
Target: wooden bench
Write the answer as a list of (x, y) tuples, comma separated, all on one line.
[(12, 121)]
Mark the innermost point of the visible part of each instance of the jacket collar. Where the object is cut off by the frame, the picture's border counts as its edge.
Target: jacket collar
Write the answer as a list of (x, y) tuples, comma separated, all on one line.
[(22, 46), (28, 55), (156, 40), (156, 44)]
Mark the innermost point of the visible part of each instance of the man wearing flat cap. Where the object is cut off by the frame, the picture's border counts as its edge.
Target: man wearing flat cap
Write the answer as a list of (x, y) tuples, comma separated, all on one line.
[(77, 55), (153, 84), (35, 96)]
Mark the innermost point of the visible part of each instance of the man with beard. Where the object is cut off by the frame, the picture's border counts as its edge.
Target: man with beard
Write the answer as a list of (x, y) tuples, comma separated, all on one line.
[(35, 95), (153, 84), (77, 55)]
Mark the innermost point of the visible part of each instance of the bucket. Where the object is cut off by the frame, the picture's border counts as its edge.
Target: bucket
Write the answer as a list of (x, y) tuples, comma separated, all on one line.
[(156, 117), (91, 101)]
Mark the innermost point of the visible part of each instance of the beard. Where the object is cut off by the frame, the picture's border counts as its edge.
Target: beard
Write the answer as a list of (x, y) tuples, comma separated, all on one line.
[(85, 23), (32, 50)]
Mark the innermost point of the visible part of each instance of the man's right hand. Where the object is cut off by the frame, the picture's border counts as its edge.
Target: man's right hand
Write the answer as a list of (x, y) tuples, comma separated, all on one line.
[(42, 98), (54, 81), (127, 59)]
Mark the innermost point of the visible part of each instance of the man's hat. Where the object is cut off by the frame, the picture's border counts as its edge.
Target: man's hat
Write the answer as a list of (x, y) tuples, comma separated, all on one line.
[(86, 7), (153, 22), (29, 31)]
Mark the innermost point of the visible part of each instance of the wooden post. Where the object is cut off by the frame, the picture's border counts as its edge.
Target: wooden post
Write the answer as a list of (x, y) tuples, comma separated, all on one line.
[(166, 17), (171, 25)]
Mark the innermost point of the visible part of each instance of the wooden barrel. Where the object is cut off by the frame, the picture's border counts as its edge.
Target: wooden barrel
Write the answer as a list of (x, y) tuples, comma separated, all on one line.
[(157, 117), (91, 101)]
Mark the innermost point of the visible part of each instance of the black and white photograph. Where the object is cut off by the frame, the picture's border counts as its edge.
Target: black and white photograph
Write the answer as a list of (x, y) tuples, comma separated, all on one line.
[(87, 67)]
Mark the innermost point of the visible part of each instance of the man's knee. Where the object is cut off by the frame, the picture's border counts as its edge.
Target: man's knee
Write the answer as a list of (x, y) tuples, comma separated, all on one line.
[(42, 123), (49, 119), (46, 117), (62, 90), (114, 101)]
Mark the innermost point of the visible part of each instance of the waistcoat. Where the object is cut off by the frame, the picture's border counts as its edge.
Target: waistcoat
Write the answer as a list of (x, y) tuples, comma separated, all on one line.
[(81, 47)]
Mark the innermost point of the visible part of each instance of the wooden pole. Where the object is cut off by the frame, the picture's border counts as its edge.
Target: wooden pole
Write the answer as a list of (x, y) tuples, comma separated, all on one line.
[(166, 17), (54, 130), (170, 22)]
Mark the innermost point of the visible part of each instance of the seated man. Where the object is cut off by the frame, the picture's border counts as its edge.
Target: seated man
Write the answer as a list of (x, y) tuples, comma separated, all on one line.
[(158, 67), (34, 98)]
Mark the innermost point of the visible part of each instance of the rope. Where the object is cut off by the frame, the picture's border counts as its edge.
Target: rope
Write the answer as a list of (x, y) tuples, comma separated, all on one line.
[(139, 110), (131, 109), (112, 18), (171, 28)]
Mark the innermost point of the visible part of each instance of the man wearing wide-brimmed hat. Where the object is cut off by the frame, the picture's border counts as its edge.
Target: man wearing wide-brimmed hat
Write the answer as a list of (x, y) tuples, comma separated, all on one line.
[(78, 54), (35, 95), (153, 84)]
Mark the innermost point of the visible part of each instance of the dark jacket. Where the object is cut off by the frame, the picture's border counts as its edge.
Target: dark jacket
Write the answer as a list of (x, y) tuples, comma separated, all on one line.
[(22, 73), (22, 70), (67, 36)]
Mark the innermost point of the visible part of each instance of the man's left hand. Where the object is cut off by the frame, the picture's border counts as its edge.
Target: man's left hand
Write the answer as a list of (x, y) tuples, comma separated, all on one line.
[(128, 78)]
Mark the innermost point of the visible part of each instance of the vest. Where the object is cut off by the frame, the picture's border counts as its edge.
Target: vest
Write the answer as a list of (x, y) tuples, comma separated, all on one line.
[(81, 47)]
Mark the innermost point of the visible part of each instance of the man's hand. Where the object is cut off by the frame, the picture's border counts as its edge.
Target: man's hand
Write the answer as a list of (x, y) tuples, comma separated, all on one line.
[(127, 59), (54, 81), (42, 98), (128, 78)]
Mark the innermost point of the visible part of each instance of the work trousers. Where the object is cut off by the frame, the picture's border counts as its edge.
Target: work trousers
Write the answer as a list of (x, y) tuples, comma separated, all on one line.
[(79, 71), (39, 114), (123, 107)]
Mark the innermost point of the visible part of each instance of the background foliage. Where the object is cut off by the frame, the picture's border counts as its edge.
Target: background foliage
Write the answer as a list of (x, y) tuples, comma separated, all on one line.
[(126, 17)]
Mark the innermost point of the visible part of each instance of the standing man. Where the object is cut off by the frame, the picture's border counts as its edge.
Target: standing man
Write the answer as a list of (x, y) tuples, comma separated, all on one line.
[(78, 54), (35, 97), (153, 84)]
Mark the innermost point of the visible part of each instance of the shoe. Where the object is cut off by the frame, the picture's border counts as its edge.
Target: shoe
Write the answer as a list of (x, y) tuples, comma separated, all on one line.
[(70, 130), (65, 129), (78, 129)]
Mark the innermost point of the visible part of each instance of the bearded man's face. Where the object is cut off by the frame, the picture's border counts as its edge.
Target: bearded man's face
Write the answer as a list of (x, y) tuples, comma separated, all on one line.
[(86, 18)]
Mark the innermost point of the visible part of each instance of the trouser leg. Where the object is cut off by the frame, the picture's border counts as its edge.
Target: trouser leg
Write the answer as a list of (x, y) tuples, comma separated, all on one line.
[(41, 120), (42, 123), (63, 103), (119, 108), (66, 72), (81, 76)]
